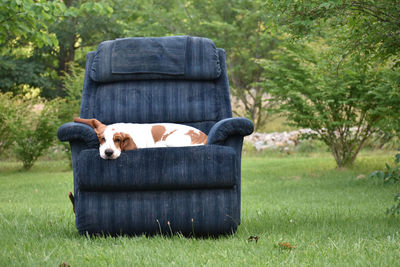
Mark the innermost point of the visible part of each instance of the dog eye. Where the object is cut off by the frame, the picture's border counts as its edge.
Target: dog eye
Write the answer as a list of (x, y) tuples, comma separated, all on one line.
[(117, 140), (103, 139)]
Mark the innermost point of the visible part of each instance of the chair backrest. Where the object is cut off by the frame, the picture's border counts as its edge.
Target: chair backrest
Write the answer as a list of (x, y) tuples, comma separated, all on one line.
[(178, 79)]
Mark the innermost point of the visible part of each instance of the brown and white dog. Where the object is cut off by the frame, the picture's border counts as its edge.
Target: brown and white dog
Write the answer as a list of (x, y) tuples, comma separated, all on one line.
[(118, 137)]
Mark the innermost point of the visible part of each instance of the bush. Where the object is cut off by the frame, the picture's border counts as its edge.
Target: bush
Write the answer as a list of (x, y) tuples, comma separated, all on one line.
[(73, 85), (345, 104), (395, 209), (7, 109), (35, 130), (383, 140), (391, 175), (28, 125)]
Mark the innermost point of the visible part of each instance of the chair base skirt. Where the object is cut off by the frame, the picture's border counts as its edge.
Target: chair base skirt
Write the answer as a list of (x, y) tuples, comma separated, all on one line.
[(187, 212)]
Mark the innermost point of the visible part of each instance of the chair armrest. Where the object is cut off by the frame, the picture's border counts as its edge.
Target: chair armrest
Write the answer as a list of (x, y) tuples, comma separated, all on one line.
[(72, 131), (226, 128)]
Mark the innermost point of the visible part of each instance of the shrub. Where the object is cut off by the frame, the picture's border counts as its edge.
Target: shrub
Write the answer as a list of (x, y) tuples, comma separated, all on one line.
[(33, 127), (395, 209), (73, 85), (383, 140), (345, 104), (391, 175), (7, 109)]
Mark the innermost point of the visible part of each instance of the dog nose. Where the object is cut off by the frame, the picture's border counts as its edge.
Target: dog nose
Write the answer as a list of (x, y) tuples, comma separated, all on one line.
[(108, 152)]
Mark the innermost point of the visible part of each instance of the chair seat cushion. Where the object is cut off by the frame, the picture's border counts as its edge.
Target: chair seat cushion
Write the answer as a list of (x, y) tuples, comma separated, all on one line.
[(199, 167)]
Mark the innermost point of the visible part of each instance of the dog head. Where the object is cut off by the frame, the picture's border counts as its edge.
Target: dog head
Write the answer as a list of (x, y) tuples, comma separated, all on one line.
[(112, 142)]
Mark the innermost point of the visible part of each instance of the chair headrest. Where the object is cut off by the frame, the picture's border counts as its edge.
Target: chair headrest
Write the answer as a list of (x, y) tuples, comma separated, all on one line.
[(175, 57)]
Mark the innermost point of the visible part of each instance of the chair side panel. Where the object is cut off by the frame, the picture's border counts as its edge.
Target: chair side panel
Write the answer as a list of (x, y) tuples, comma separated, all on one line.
[(223, 88)]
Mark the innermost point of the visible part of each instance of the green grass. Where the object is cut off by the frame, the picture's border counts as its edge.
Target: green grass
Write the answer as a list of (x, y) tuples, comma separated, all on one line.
[(331, 217)]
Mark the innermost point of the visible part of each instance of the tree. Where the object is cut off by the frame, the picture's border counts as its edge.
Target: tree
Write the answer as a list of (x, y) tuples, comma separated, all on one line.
[(344, 106), (23, 26), (28, 125), (23, 21), (370, 27), (73, 27), (82, 24), (17, 72), (237, 26)]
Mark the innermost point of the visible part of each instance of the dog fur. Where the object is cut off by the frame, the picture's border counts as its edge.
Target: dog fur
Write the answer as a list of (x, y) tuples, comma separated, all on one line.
[(118, 137)]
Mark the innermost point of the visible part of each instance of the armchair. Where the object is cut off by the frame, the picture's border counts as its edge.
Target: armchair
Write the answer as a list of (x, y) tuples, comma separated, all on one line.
[(190, 190)]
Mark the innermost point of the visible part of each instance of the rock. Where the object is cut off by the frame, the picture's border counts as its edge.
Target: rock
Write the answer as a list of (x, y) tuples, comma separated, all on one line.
[(283, 141), (361, 176)]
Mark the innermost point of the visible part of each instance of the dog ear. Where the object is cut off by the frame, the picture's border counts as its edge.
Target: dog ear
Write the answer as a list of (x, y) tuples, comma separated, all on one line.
[(127, 142), (95, 124)]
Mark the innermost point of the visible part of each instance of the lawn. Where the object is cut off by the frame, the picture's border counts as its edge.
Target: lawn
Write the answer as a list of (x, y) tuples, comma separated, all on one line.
[(330, 216)]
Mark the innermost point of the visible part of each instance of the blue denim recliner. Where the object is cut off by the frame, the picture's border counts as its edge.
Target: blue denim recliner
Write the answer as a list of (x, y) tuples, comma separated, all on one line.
[(190, 190)]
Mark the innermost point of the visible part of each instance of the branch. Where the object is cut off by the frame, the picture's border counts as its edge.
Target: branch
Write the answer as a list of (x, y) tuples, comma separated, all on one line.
[(245, 102), (187, 13), (16, 14), (364, 8), (367, 134), (370, 12), (358, 132)]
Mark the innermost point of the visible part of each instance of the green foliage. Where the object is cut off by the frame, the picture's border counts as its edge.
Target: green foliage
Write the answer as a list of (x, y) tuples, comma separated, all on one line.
[(81, 25), (24, 21), (73, 85), (390, 176), (24, 26), (29, 126), (395, 209), (17, 72), (240, 28), (345, 104), (369, 27), (40, 39), (383, 141), (6, 111), (43, 38), (237, 26), (35, 133)]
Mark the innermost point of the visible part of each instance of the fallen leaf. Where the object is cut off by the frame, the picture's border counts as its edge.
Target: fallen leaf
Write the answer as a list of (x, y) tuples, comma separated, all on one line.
[(361, 176), (285, 245)]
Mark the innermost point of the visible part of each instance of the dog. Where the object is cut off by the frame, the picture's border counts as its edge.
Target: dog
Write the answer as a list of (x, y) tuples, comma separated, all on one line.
[(118, 137)]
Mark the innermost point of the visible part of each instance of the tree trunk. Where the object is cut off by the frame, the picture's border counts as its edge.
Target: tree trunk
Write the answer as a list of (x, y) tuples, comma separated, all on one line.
[(344, 160), (66, 55)]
